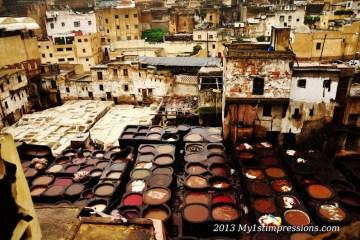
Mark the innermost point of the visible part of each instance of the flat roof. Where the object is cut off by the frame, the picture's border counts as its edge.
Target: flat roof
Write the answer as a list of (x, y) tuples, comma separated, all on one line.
[(180, 61)]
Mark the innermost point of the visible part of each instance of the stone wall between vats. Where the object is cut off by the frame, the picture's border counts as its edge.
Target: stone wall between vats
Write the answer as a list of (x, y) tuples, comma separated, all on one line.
[(240, 73)]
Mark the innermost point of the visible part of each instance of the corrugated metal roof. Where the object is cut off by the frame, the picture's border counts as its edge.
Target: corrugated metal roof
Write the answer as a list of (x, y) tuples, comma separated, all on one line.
[(180, 61)]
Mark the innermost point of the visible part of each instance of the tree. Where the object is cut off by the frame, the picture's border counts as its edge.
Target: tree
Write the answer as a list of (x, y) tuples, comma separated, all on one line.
[(153, 35), (311, 20), (196, 49), (261, 38)]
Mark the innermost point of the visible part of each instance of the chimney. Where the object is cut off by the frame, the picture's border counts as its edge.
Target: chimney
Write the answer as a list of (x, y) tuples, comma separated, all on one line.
[(280, 38)]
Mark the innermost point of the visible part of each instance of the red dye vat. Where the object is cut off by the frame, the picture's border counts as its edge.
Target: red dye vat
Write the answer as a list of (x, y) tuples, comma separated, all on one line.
[(63, 181), (223, 199), (133, 200)]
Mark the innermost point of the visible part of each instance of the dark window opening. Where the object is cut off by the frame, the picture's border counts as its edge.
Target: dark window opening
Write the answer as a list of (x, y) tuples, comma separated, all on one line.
[(67, 90), (296, 114), (19, 79), (126, 73), (267, 110), (311, 112), (126, 87), (258, 86), (327, 84), (301, 83), (99, 76), (101, 87), (91, 95), (318, 46)]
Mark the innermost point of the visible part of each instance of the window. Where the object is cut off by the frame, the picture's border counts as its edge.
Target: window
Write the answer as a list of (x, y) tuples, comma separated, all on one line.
[(53, 84), (136, 37), (128, 37), (84, 50), (210, 36), (70, 59), (69, 49), (6, 105), (135, 15), (211, 17), (296, 114), (282, 18), (117, 27), (47, 47), (116, 16), (19, 79), (115, 72), (213, 46), (106, 20), (126, 87), (86, 40), (126, 16), (136, 26), (43, 55), (61, 59), (87, 59), (108, 31), (79, 40), (118, 38), (258, 86), (126, 73), (90, 95), (311, 112), (99, 75), (2, 88), (127, 26), (184, 24), (115, 100), (298, 19), (89, 23), (267, 110), (318, 46), (51, 55), (51, 25), (301, 83), (108, 95), (60, 49), (67, 90), (327, 84), (199, 37), (101, 87), (77, 24), (63, 24), (289, 18)]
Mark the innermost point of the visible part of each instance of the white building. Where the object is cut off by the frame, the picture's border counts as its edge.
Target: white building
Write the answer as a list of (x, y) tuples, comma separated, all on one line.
[(68, 21)]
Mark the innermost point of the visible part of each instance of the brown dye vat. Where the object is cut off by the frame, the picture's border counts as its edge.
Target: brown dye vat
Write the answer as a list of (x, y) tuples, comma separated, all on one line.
[(92, 161), (254, 174), (37, 190), (195, 157), (246, 155), (260, 188), (214, 138), (320, 192), (72, 168), (281, 185), (96, 173), (219, 170), (288, 201), (296, 217), (118, 167), (147, 157), (74, 189), (78, 161), (264, 205), (196, 213), (104, 190), (163, 160), (140, 173), (275, 172), (163, 170), (224, 213), (195, 168), (102, 164), (157, 212), (62, 160), (193, 137), (54, 191), (196, 182), (154, 136), (269, 161), (331, 213), (159, 180), (215, 158), (156, 196), (155, 129), (43, 180), (215, 148), (30, 172), (165, 149), (127, 136), (147, 149), (56, 168), (197, 197)]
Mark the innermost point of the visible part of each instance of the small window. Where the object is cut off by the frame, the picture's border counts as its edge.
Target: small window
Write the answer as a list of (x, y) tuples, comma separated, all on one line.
[(47, 47), (51, 25), (51, 55), (289, 18), (87, 59), (115, 72), (63, 24), (184, 24), (136, 26), (89, 23), (126, 73), (2, 88), (301, 83), (258, 86), (108, 31), (327, 84), (106, 20), (67, 90), (90, 95), (211, 36), (69, 49), (77, 24), (6, 105), (60, 49), (61, 59), (282, 18), (136, 37), (318, 46), (108, 95), (211, 17), (213, 46), (267, 110), (43, 55), (311, 112), (70, 59), (79, 40), (199, 37), (99, 75), (116, 16), (19, 79), (127, 26), (128, 37), (101, 87), (135, 15), (126, 87), (126, 16), (117, 27), (298, 19), (84, 50), (86, 40)]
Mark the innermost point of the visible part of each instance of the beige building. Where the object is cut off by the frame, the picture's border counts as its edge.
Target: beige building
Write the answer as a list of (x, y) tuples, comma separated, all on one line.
[(328, 45), (13, 95), (74, 49), (118, 23)]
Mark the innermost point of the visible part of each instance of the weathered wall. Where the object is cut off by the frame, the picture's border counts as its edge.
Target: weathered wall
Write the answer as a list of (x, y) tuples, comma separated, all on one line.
[(185, 85), (240, 73)]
